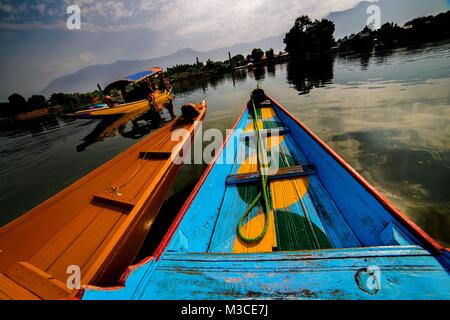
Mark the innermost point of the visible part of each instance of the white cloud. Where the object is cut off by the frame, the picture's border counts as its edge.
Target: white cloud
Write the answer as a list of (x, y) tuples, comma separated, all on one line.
[(87, 56), (40, 8), (235, 20), (227, 22), (6, 7)]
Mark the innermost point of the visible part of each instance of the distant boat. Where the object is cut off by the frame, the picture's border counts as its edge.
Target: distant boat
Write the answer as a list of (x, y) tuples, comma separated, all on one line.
[(322, 233), (38, 113), (97, 224), (136, 92)]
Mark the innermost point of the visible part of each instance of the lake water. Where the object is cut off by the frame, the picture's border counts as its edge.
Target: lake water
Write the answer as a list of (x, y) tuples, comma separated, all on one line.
[(387, 114)]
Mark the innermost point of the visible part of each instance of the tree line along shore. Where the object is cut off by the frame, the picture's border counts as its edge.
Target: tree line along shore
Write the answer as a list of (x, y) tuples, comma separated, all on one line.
[(307, 39)]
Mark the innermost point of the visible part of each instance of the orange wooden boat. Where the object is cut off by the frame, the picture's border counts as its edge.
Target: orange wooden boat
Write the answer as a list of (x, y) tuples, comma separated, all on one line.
[(97, 224)]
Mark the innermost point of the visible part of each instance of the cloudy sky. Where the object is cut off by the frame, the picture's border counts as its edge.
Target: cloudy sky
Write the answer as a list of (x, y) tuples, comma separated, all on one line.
[(37, 46)]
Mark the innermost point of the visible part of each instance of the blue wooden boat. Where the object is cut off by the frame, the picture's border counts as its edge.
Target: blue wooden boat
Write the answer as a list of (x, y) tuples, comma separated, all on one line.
[(326, 233)]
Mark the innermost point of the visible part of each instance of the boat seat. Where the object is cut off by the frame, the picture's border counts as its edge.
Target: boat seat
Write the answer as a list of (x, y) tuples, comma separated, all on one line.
[(112, 198), (155, 154), (283, 173), (266, 133), (264, 104), (28, 278)]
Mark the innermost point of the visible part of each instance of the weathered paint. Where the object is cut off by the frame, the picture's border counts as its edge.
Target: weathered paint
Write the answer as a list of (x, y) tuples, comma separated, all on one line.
[(405, 273), (344, 210)]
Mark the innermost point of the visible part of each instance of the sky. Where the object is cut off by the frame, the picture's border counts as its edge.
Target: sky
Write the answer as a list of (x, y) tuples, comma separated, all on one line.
[(37, 46)]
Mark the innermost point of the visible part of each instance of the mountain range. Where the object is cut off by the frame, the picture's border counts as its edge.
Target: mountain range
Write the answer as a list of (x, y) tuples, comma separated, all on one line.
[(87, 78)]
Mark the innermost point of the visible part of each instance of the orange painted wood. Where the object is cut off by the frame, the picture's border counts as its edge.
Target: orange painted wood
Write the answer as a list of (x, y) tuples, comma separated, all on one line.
[(75, 228), (38, 282), (124, 201), (15, 291)]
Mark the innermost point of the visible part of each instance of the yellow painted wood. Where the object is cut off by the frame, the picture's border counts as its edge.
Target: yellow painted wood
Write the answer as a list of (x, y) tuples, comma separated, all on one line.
[(251, 229), (287, 192), (267, 113), (249, 165), (251, 128)]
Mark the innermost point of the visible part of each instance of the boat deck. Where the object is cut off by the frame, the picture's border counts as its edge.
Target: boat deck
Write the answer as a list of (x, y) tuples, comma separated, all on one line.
[(304, 216)]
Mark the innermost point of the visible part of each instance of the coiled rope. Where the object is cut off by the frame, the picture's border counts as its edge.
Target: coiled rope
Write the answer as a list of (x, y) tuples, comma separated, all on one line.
[(262, 161)]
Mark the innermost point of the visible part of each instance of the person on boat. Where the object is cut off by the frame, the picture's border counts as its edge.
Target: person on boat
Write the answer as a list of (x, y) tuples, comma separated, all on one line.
[(109, 101)]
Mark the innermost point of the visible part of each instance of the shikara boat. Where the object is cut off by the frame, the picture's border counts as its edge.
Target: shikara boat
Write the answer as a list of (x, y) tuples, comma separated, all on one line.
[(325, 234), (141, 91), (97, 225), (134, 107)]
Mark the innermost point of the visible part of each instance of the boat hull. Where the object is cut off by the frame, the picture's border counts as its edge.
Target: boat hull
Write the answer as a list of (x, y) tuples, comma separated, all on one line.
[(90, 227)]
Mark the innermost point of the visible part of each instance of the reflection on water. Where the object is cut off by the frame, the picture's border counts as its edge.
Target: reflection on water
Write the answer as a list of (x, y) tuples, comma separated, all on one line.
[(141, 125), (306, 75), (386, 113)]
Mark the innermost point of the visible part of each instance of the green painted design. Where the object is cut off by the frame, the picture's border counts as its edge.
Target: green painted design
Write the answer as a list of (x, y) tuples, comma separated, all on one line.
[(295, 233)]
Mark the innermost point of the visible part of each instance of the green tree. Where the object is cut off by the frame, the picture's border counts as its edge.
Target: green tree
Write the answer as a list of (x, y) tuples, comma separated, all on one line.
[(37, 102), (17, 103), (5, 109), (257, 55), (307, 37), (270, 55), (238, 60)]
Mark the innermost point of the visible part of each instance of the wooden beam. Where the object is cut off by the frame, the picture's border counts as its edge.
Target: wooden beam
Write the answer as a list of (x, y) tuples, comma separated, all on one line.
[(148, 155), (266, 133), (283, 173), (14, 291), (113, 198), (38, 282), (265, 104)]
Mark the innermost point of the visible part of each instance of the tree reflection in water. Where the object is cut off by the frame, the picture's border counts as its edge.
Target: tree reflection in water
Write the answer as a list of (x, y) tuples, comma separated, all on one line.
[(310, 74)]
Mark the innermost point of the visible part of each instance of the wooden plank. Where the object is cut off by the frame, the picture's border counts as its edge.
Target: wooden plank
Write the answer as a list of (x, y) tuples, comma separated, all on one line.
[(113, 198), (148, 155), (266, 133), (38, 282), (264, 104), (329, 274), (79, 252), (14, 290), (4, 295), (283, 173)]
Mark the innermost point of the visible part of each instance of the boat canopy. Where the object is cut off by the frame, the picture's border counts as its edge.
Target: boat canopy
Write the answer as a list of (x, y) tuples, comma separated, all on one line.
[(143, 74), (134, 78)]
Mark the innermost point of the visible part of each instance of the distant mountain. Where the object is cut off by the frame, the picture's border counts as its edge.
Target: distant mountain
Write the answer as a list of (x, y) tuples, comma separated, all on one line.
[(399, 11), (86, 79)]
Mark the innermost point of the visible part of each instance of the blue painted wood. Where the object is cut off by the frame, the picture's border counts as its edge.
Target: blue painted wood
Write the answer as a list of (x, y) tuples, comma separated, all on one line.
[(200, 220), (405, 273)]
